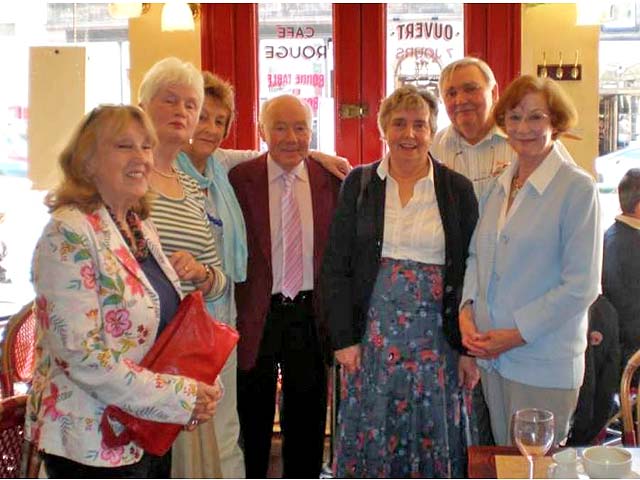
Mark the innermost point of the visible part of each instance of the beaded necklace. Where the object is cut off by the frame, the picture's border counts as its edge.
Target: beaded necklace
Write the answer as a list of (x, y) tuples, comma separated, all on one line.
[(138, 245)]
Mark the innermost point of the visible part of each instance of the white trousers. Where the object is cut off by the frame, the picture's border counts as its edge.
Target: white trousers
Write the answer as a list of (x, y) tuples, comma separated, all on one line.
[(227, 423), (195, 454)]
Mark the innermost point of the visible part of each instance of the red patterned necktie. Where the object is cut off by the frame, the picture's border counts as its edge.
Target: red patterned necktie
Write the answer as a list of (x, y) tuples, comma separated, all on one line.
[(291, 240)]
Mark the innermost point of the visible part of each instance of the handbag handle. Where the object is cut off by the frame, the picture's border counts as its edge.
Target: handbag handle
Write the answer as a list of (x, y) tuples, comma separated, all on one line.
[(108, 435)]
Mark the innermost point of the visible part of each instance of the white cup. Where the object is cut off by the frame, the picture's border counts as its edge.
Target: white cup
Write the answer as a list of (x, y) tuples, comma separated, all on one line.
[(606, 462), (565, 464)]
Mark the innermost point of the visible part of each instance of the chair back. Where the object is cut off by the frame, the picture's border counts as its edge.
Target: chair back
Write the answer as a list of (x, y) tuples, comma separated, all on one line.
[(16, 454), (18, 350), (631, 430)]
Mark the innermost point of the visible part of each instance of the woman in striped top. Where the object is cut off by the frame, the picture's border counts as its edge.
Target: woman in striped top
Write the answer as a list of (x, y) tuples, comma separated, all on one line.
[(172, 93)]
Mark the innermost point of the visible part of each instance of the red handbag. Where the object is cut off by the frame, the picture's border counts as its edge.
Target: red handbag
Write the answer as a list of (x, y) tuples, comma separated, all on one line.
[(194, 345)]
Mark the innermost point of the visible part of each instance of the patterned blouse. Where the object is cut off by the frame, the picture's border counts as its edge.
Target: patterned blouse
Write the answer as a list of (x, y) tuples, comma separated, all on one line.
[(97, 317)]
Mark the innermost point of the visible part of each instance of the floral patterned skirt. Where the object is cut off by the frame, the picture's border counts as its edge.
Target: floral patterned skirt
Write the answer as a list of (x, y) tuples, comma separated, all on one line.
[(401, 414)]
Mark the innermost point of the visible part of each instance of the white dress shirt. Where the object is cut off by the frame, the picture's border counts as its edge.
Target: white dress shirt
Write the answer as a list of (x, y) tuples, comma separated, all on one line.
[(302, 192), (412, 232)]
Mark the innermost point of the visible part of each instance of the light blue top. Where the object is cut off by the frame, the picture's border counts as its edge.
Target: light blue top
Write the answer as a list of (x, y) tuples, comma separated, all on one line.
[(540, 272)]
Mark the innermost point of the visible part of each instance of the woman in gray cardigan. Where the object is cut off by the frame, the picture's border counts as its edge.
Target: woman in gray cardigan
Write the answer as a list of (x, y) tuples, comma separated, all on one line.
[(392, 279)]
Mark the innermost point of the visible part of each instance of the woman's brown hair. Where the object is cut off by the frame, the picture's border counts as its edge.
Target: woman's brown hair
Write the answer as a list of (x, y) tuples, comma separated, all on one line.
[(77, 187), (218, 89), (563, 114)]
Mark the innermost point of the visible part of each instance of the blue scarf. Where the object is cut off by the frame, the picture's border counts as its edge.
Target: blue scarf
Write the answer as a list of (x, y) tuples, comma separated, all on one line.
[(216, 181)]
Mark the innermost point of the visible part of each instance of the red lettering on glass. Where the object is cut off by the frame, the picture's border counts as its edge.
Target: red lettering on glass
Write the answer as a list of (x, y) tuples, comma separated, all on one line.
[(313, 103)]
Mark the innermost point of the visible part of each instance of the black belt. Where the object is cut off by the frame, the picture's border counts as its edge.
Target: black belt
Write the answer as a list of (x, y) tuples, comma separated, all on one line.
[(279, 300)]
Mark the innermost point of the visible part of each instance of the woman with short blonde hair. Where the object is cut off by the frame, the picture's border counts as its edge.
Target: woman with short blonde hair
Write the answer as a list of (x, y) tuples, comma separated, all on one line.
[(172, 93)]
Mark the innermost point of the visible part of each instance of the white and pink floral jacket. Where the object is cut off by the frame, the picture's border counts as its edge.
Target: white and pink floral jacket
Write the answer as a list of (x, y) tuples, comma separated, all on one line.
[(97, 317)]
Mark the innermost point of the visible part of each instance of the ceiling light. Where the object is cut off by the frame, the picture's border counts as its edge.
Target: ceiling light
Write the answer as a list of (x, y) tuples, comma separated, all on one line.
[(177, 16)]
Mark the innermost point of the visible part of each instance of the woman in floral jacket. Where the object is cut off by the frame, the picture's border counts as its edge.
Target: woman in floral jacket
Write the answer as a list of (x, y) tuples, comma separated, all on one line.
[(104, 291)]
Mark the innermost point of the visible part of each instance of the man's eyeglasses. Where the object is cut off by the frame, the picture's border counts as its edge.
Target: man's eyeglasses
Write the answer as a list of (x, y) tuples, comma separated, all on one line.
[(534, 120)]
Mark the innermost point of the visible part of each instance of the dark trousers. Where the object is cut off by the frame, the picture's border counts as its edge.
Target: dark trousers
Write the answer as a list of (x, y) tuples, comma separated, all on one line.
[(481, 414), (149, 466), (290, 341)]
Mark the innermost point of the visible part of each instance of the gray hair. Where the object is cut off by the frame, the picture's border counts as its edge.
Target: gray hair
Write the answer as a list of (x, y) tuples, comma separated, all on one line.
[(170, 71), (264, 111), (481, 65)]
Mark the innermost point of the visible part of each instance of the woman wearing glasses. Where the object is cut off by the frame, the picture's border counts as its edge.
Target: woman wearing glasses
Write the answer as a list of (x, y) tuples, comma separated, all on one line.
[(534, 264)]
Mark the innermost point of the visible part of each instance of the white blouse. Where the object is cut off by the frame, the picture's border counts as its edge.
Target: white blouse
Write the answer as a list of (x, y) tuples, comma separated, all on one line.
[(412, 232)]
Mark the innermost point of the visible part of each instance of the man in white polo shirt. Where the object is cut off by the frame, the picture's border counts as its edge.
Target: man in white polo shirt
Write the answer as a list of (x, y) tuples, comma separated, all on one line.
[(471, 145)]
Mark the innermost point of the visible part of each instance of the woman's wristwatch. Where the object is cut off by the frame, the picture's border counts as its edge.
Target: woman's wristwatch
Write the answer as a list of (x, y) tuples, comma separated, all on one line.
[(208, 277)]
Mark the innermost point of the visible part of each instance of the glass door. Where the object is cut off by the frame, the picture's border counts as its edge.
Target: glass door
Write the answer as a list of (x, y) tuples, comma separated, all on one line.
[(295, 56), (422, 38)]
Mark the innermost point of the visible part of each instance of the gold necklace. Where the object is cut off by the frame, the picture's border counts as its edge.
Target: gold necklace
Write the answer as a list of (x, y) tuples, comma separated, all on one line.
[(516, 186), (173, 173)]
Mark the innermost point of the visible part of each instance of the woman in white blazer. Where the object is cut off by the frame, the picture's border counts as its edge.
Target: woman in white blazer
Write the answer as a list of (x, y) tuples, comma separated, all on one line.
[(534, 264), (104, 291)]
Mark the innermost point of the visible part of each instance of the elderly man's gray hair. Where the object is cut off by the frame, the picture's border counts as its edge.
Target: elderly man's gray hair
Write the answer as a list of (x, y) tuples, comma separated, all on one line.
[(484, 68)]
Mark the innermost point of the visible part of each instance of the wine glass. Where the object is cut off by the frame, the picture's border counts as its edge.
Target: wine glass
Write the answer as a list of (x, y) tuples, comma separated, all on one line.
[(533, 433)]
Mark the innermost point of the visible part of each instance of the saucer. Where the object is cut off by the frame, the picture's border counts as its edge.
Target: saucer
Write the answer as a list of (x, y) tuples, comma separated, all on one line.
[(582, 474)]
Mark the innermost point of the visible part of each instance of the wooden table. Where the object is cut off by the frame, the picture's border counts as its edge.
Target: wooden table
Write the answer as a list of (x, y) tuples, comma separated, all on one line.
[(482, 463)]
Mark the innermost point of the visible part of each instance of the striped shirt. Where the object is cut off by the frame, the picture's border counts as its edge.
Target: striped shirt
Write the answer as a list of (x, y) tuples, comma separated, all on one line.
[(182, 224), (481, 163)]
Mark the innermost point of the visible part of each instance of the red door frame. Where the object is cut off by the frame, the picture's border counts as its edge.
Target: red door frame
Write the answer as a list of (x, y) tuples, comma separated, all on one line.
[(229, 38)]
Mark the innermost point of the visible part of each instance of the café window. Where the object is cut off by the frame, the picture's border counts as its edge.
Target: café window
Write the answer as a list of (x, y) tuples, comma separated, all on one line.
[(422, 38), (296, 57), (61, 60)]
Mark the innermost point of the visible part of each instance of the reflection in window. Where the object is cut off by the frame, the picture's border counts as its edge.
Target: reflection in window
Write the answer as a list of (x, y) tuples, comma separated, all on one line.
[(29, 24), (296, 57), (422, 38)]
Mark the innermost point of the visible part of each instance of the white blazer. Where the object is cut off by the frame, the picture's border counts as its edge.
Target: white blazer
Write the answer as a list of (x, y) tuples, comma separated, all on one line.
[(98, 316)]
